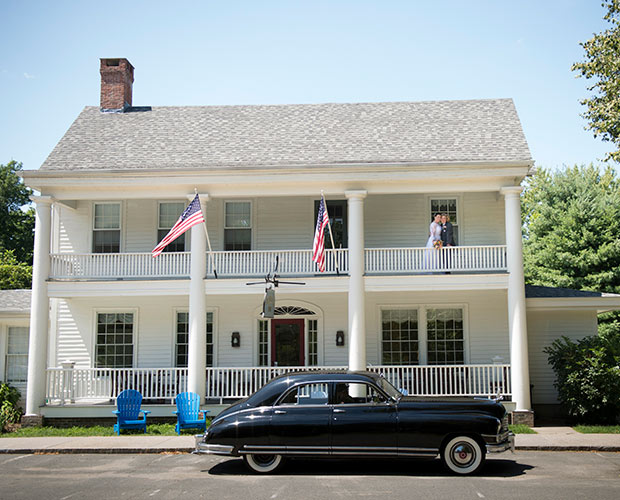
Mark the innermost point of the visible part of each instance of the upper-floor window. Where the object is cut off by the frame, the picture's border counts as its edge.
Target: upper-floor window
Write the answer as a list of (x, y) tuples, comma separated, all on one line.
[(448, 206), (238, 225), (337, 210), (169, 213), (107, 228)]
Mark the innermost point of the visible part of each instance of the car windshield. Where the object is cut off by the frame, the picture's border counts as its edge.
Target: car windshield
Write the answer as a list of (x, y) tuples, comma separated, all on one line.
[(389, 389)]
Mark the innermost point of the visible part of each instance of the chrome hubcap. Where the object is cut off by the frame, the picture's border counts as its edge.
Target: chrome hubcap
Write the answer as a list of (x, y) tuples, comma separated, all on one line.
[(264, 460), (463, 454)]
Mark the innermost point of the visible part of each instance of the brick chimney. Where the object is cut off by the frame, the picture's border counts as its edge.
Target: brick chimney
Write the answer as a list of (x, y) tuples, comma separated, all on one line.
[(116, 84)]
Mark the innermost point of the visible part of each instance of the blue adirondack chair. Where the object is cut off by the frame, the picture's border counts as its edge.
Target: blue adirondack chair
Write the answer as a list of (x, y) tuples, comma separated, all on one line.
[(128, 411), (188, 412)]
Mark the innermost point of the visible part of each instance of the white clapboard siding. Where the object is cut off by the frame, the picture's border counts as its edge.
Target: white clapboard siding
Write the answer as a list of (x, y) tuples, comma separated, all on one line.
[(482, 219), (75, 332), (140, 218), (390, 221), (74, 228), (543, 328), (395, 221), (284, 223)]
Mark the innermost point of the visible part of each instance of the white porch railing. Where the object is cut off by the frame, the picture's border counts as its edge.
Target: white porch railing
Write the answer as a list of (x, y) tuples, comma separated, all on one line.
[(447, 259), (291, 262), (90, 384), (119, 265)]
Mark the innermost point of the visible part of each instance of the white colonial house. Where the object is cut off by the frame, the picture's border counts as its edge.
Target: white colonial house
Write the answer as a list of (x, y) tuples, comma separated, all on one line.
[(106, 315)]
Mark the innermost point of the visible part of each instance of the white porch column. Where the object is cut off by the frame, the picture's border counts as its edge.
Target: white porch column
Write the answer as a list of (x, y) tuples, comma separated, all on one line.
[(39, 306), (197, 342), (357, 315), (517, 324)]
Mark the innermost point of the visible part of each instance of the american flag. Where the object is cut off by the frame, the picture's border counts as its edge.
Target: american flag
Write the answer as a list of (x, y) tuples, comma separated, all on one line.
[(318, 247), (190, 217)]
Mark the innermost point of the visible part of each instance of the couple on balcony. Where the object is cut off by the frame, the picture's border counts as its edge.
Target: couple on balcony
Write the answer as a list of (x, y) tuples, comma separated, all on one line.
[(441, 234)]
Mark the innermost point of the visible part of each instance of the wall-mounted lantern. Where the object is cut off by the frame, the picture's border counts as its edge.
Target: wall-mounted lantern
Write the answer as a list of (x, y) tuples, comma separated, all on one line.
[(339, 338), (235, 339)]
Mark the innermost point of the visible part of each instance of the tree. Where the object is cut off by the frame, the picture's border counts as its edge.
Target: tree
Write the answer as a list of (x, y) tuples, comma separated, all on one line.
[(16, 225), (13, 274), (572, 229), (602, 64)]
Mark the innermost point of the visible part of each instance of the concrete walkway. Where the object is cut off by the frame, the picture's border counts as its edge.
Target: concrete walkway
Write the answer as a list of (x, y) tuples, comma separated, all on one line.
[(548, 438)]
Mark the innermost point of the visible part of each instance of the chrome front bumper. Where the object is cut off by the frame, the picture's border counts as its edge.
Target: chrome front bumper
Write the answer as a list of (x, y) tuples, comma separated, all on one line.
[(507, 444), (212, 449)]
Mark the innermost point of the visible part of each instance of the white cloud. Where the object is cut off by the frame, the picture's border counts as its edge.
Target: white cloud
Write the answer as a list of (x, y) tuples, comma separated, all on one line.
[(28, 76)]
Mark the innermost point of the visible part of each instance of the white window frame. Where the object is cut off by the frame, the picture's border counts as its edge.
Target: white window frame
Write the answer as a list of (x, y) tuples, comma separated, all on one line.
[(422, 328), (251, 228), (135, 334), (159, 228), (459, 210), (4, 347), (175, 311), (121, 223)]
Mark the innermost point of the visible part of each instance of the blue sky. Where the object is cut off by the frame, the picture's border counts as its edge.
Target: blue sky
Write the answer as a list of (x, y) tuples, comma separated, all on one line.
[(279, 52)]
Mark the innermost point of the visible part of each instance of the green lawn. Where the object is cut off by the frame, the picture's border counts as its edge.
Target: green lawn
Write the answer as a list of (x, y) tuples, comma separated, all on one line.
[(98, 430), (521, 429), (598, 429)]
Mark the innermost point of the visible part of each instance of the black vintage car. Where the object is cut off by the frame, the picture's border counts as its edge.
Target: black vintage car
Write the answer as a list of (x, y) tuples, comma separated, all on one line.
[(355, 414)]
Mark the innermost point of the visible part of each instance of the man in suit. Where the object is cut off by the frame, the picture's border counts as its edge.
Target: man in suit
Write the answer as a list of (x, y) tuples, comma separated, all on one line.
[(447, 237)]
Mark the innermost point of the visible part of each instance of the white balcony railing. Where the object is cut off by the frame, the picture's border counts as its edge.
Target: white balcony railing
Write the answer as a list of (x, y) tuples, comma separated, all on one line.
[(448, 259), (77, 385), (291, 262)]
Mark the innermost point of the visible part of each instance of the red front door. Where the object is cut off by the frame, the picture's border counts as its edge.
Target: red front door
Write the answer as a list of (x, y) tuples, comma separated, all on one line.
[(287, 342)]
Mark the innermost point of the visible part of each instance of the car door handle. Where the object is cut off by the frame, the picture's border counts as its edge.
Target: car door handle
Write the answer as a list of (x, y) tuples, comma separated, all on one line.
[(279, 412), (338, 410)]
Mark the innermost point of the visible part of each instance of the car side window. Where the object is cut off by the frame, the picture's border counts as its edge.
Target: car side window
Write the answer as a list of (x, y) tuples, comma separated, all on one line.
[(357, 393), (307, 394)]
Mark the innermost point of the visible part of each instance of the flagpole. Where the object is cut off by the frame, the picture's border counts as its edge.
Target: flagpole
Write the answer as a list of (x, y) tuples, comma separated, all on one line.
[(329, 225), (204, 224)]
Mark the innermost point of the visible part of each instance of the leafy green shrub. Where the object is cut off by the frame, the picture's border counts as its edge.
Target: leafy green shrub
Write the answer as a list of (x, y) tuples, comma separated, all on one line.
[(9, 411), (588, 376)]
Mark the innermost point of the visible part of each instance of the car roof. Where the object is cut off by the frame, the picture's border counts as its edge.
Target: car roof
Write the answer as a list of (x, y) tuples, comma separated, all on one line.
[(327, 375)]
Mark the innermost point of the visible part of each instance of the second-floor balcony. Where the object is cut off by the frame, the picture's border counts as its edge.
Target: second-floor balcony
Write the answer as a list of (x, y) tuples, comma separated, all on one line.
[(242, 264)]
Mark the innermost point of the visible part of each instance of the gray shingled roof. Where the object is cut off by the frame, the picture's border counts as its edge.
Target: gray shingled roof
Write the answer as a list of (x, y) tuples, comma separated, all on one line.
[(15, 301), (282, 135)]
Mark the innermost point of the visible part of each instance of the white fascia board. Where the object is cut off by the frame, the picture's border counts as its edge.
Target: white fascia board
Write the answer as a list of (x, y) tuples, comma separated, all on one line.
[(380, 180), (224, 286), (599, 304), (129, 288), (14, 316), (440, 283)]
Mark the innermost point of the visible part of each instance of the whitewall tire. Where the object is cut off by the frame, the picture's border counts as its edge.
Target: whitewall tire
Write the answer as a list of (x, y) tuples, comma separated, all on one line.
[(263, 464), (463, 455)]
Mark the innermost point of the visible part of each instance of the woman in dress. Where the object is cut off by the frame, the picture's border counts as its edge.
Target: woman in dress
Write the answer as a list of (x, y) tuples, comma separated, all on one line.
[(432, 257)]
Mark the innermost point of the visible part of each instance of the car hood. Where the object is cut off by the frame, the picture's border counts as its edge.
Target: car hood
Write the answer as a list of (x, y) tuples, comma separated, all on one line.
[(236, 406), (456, 405)]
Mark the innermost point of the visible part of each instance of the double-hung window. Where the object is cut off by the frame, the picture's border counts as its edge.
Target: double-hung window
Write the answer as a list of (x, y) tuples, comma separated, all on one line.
[(238, 225), (182, 339), (448, 206), (399, 329), (107, 228), (434, 336), (169, 213), (114, 348), (446, 343), (17, 355)]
